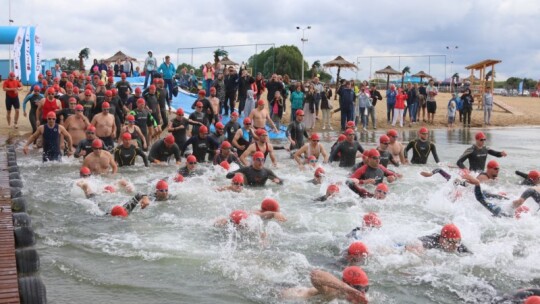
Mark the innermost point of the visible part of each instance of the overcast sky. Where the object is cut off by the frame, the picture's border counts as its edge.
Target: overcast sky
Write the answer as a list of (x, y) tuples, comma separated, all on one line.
[(482, 29)]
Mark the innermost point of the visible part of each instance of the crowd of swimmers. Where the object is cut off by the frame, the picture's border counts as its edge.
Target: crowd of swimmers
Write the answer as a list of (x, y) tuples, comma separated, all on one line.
[(108, 127)]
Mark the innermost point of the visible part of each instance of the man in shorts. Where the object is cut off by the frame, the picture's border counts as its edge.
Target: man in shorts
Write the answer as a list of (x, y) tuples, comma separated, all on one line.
[(431, 104), (12, 87)]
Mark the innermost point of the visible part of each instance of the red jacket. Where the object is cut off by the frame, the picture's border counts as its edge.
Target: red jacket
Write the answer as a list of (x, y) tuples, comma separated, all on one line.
[(400, 101)]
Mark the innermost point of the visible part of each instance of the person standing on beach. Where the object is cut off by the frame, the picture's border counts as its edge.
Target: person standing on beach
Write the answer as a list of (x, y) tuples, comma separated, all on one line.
[(326, 106), (168, 70), (375, 96), (467, 101), (488, 106), (150, 65), (391, 95), (12, 87), (208, 75), (422, 96), (412, 102), (231, 87), (346, 104), (430, 102)]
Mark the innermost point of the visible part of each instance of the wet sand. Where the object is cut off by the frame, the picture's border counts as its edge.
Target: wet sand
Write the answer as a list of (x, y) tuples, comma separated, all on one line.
[(528, 106)]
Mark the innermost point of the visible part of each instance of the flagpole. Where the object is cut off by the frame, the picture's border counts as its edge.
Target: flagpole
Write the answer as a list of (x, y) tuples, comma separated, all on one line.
[(10, 21)]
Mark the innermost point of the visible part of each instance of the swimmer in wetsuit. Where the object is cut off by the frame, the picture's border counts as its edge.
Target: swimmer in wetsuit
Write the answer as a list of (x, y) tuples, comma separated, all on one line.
[(225, 154), (533, 192), (256, 174), (448, 240), (331, 190), (317, 176), (126, 153), (163, 149), (369, 221), (477, 154), (190, 169), (372, 172), (521, 296), (296, 131), (380, 191), (202, 145), (422, 147), (386, 156), (530, 179), (244, 136), (348, 150), (50, 132)]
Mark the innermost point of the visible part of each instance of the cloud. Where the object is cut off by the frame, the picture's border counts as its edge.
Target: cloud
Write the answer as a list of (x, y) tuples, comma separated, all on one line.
[(499, 29)]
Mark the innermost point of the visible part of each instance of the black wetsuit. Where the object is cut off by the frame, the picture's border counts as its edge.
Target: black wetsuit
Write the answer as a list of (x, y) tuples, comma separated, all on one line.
[(363, 193), (386, 157), (198, 117), (201, 147), (152, 103), (207, 107), (126, 156), (184, 171), (84, 145), (477, 157), (517, 297), (65, 113), (161, 95), (442, 172), (133, 202), (123, 87), (231, 158), (180, 136), (367, 172), (144, 119), (481, 198), (348, 153), (432, 242), (245, 140), (527, 181), (51, 143), (160, 152), (231, 128), (297, 131), (531, 192), (254, 177), (421, 150)]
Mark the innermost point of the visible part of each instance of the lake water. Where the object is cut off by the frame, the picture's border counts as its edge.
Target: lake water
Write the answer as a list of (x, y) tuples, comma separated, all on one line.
[(171, 253)]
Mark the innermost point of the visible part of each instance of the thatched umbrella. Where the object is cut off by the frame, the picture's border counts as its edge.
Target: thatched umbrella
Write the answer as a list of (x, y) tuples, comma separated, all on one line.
[(119, 55), (225, 61), (388, 71), (422, 75), (339, 62)]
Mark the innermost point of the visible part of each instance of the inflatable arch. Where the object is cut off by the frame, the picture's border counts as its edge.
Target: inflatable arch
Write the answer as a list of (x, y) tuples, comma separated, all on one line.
[(26, 52)]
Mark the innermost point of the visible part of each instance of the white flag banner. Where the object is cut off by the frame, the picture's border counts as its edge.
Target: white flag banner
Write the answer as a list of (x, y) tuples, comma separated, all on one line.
[(17, 44), (27, 57), (38, 48)]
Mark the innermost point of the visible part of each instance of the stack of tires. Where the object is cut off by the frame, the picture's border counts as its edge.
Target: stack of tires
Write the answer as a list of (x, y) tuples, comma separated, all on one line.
[(31, 287)]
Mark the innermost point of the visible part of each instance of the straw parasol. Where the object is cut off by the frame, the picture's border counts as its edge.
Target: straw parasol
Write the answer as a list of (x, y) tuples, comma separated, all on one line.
[(388, 71), (226, 61), (339, 62), (422, 75), (119, 55)]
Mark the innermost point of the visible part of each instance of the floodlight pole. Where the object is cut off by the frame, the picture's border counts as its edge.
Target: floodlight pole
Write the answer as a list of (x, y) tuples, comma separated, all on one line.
[(304, 40), (10, 21), (451, 49)]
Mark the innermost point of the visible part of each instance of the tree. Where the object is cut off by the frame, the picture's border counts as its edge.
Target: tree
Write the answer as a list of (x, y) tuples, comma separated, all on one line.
[(84, 54), (198, 72), (68, 64), (315, 68), (513, 82), (406, 70), (219, 53), (282, 60)]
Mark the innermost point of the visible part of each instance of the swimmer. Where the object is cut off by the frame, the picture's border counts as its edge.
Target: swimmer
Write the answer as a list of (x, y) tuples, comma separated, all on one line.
[(448, 240), (85, 146), (331, 190), (386, 156), (256, 174), (244, 136), (318, 176), (395, 147), (84, 172), (89, 192), (190, 169), (128, 207), (237, 218), (347, 149), (356, 254), (530, 179), (341, 138), (533, 192), (380, 191), (260, 145), (372, 172), (491, 173), (105, 126), (352, 287), (100, 161), (422, 147), (163, 149), (50, 133), (296, 131), (126, 153), (525, 296), (260, 117), (370, 221), (237, 184), (310, 150), (270, 210), (477, 154), (225, 154), (202, 145)]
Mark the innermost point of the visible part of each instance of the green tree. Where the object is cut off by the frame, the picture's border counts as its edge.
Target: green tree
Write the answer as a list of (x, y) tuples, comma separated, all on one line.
[(529, 84), (68, 64), (285, 59), (219, 53), (83, 55), (406, 70), (513, 82), (188, 66)]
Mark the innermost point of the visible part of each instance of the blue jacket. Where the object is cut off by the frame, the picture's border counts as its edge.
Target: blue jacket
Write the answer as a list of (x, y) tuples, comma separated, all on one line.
[(168, 72), (346, 99), (391, 97)]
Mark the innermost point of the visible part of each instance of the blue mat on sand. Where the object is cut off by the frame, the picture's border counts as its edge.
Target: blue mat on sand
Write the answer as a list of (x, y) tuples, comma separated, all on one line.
[(185, 99)]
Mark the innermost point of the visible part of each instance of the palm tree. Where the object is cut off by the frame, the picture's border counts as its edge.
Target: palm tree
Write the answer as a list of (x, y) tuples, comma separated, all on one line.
[(315, 67), (488, 75), (219, 53), (406, 70), (83, 55)]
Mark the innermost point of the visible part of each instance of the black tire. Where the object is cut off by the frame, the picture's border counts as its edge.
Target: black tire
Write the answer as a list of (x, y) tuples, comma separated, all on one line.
[(21, 219), (24, 237), (27, 261), (12, 156), (32, 290), (12, 169), (12, 163), (16, 183), (18, 204), (14, 175), (15, 192)]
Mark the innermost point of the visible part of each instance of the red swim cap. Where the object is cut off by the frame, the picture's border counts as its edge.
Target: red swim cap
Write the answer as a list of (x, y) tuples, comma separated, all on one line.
[(119, 211), (97, 143), (315, 136), (373, 153), (238, 178), (219, 125), (260, 102), (299, 112), (202, 92), (225, 145), (358, 250), (126, 136), (450, 231), (162, 185), (141, 101), (261, 132), (51, 91), (180, 112), (534, 175), (203, 130), (423, 130), (492, 164), (480, 135), (312, 158), (213, 89), (234, 114), (237, 216), (341, 138), (382, 187), (110, 189), (79, 107), (258, 154), (350, 124), (191, 159), (319, 172), (198, 104), (130, 118), (110, 79), (105, 105), (349, 131), (85, 171), (123, 75), (179, 178), (90, 128), (225, 165), (37, 88), (100, 83), (169, 139), (384, 139), (152, 87), (332, 189), (247, 120), (138, 90), (108, 93), (354, 275), (371, 219), (51, 114), (532, 300), (270, 204), (69, 84)]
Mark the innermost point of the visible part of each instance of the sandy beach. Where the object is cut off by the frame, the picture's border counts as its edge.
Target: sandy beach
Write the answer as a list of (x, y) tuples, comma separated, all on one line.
[(529, 108)]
